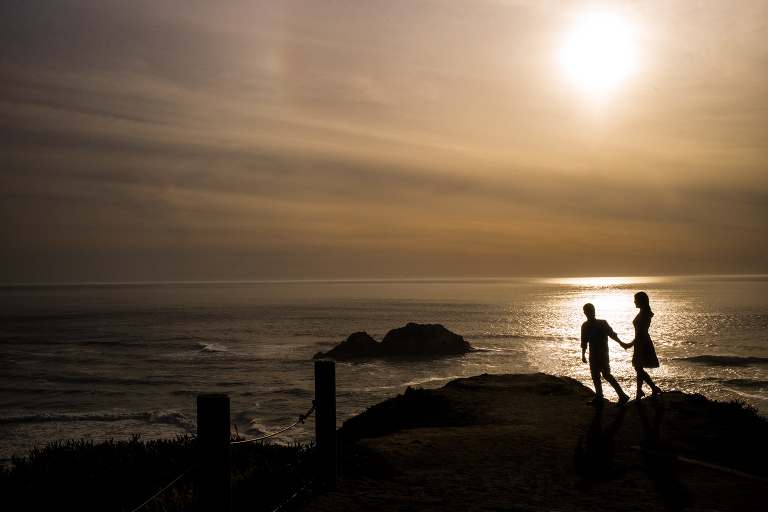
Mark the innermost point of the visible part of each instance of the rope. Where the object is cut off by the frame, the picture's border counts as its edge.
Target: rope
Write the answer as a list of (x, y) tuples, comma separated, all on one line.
[(700, 463), (302, 419), (297, 493), (190, 468)]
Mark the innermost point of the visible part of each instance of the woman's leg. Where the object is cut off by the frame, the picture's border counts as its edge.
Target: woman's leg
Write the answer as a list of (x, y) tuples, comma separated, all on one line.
[(640, 377), (649, 381), (654, 388)]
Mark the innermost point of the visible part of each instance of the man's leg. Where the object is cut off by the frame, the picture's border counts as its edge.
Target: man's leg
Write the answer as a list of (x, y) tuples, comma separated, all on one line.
[(595, 370), (612, 381), (604, 368)]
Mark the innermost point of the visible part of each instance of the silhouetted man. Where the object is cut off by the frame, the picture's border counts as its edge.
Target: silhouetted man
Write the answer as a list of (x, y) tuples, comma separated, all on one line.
[(595, 334)]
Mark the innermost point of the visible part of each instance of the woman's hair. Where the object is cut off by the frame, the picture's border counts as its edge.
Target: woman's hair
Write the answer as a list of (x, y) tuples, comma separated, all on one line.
[(642, 300)]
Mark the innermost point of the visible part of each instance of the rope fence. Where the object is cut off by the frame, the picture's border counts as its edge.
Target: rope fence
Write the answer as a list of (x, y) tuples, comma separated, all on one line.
[(190, 468), (306, 485), (302, 419), (214, 442)]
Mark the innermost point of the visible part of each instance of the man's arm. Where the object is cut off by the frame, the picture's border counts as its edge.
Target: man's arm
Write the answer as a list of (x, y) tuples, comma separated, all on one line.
[(614, 336), (583, 343)]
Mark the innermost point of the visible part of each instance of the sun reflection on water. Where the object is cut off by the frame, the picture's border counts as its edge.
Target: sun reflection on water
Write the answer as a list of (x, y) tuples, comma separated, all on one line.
[(692, 320), (603, 281)]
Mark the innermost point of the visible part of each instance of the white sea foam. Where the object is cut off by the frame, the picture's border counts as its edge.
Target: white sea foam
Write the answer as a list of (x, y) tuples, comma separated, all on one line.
[(255, 428), (210, 348), (747, 395), (428, 380), (167, 417)]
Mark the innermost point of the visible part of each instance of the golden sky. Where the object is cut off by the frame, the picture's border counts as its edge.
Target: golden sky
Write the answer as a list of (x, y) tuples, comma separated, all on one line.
[(145, 140)]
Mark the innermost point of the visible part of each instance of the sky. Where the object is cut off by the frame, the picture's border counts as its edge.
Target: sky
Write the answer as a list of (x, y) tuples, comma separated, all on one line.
[(258, 140)]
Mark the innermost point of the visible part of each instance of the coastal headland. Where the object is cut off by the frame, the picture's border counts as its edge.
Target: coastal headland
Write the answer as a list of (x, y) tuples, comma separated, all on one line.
[(531, 443)]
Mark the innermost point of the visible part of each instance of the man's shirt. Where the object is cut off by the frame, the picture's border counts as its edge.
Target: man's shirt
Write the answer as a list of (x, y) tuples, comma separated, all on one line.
[(594, 334)]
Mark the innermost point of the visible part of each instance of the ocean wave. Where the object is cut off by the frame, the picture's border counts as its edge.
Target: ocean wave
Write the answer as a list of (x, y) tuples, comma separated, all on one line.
[(210, 347), (747, 395), (95, 392), (725, 360), (260, 353), (251, 428), (254, 428), (492, 336), (428, 380), (301, 394), (208, 355), (165, 417), (184, 392), (172, 418), (747, 383), (119, 381), (116, 343), (243, 417), (29, 391), (229, 384)]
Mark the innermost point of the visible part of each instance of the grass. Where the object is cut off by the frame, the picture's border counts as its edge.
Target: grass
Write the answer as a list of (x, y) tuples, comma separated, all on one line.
[(120, 475)]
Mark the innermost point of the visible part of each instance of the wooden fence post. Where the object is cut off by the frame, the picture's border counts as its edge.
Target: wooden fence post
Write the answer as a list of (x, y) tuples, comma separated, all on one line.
[(213, 437), (325, 420)]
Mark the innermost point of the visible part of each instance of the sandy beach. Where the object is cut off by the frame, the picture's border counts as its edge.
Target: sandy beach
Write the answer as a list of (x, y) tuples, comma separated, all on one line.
[(531, 443)]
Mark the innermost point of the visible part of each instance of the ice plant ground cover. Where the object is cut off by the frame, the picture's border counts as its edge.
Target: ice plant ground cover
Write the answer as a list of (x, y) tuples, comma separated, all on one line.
[(121, 475)]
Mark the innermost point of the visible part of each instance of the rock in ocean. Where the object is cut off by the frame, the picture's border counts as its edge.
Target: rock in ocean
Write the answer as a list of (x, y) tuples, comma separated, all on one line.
[(411, 340)]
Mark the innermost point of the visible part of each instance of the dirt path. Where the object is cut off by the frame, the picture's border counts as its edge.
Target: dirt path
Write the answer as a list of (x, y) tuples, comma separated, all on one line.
[(530, 442)]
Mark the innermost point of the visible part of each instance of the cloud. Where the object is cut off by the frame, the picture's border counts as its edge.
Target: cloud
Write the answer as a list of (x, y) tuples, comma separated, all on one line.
[(155, 141)]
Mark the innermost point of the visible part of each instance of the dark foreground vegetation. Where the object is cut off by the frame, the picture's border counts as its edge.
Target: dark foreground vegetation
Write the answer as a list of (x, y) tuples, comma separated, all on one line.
[(121, 475), (738, 437)]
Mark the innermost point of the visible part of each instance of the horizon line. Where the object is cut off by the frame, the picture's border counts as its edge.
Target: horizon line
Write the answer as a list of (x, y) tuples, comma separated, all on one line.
[(574, 279)]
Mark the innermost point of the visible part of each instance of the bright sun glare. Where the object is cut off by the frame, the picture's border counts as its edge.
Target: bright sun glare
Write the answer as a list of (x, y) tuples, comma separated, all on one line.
[(599, 53)]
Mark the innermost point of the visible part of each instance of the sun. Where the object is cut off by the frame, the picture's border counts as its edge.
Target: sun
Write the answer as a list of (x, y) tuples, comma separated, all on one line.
[(600, 53)]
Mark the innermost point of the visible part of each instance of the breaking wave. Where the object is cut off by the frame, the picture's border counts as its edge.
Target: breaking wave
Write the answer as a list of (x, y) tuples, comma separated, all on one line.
[(747, 383), (210, 347), (152, 417), (725, 360)]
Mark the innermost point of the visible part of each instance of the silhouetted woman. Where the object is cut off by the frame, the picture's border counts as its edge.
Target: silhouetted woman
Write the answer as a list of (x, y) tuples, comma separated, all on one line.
[(644, 355)]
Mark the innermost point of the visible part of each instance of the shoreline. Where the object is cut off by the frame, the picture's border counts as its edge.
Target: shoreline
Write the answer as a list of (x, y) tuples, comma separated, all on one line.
[(530, 442)]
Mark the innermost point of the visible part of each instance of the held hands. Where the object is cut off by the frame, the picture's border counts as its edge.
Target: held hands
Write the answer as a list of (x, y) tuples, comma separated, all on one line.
[(625, 346)]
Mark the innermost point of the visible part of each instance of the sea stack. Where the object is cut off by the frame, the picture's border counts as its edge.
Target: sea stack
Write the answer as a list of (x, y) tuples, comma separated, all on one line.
[(412, 340)]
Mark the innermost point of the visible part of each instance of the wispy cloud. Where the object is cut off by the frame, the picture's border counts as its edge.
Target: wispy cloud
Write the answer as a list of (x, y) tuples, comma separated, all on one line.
[(337, 139)]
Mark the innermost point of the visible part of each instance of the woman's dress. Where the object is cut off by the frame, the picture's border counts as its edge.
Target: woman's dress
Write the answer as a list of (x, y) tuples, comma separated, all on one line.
[(644, 355)]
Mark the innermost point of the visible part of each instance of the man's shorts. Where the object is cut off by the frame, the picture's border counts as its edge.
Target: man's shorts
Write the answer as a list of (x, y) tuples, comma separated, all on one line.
[(599, 366)]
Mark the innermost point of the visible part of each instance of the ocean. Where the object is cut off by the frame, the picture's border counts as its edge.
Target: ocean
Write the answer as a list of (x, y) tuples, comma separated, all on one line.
[(109, 361)]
